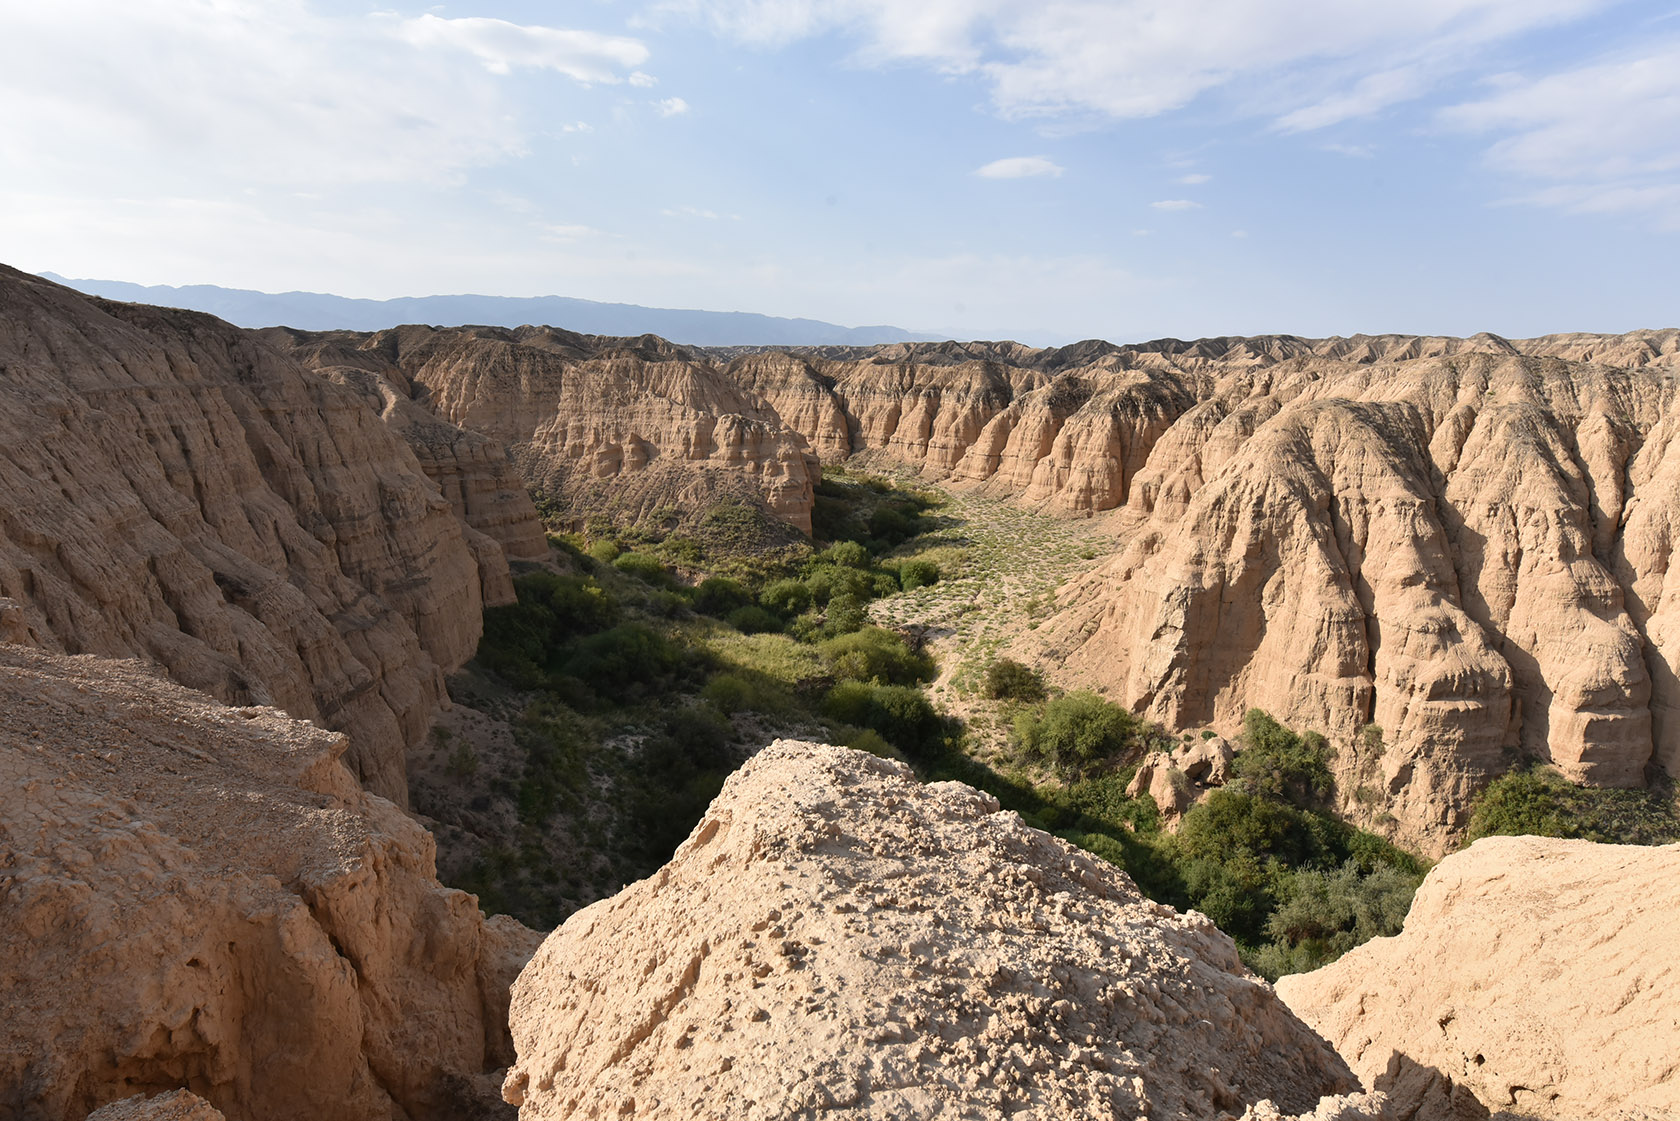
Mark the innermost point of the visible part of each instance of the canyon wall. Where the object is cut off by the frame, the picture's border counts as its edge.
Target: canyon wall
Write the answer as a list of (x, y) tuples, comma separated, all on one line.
[(1462, 543), (202, 897), (172, 488), (620, 426)]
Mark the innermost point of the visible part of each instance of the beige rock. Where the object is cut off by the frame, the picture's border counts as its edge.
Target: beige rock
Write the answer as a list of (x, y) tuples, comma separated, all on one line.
[(658, 425), (836, 938), (177, 1105), (202, 897), (1535, 974), (172, 488)]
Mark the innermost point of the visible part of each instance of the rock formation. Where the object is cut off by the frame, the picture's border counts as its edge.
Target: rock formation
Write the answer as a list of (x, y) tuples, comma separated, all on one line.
[(177, 1105), (836, 938), (1536, 974), (631, 425), (1463, 543), (201, 897), (174, 489)]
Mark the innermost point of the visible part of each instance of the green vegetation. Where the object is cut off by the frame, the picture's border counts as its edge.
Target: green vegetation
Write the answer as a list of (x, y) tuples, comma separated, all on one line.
[(635, 682), (1538, 801), (1074, 733), (1008, 680)]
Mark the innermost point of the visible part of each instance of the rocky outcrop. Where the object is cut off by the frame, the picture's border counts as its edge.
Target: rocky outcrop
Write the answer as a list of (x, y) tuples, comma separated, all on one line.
[(177, 1105), (1178, 779), (630, 425), (201, 897), (1535, 974), (475, 473), (171, 488), (836, 938)]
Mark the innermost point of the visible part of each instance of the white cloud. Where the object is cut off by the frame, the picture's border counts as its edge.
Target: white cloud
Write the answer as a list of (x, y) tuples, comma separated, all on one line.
[(585, 56), (1140, 58), (266, 93), (1019, 167), (690, 212), (1176, 204), (1195, 180), (671, 107), (1370, 94), (565, 234), (1606, 136), (643, 81)]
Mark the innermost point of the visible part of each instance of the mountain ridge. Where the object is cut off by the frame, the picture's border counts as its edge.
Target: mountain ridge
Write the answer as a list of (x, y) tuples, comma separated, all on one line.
[(321, 311)]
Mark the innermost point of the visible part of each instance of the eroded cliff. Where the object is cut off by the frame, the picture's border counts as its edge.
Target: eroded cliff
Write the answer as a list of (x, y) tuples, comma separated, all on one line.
[(201, 897), (174, 489)]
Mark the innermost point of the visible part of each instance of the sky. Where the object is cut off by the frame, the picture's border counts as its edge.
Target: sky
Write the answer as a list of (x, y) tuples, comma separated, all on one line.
[(1043, 170)]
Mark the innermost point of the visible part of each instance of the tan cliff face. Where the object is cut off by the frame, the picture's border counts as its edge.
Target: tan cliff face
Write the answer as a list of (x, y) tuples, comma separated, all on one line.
[(638, 421), (171, 488), (1436, 546), (836, 938), (1534, 974), (202, 897)]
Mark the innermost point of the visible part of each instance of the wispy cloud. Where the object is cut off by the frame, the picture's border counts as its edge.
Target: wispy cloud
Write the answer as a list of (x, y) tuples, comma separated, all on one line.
[(1176, 204), (671, 107), (585, 56), (1603, 135), (1020, 167), (1146, 57), (1195, 180)]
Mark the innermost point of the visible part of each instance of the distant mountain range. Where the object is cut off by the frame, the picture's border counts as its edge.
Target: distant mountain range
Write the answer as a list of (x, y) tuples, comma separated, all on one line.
[(316, 311)]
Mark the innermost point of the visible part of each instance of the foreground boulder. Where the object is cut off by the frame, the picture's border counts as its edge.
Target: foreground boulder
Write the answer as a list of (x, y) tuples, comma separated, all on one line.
[(835, 938), (201, 897), (1534, 974)]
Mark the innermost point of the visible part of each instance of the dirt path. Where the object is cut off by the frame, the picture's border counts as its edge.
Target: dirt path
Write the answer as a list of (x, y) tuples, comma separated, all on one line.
[(1013, 562)]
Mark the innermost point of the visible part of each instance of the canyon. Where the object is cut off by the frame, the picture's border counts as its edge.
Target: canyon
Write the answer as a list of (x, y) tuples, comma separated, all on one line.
[(237, 567), (1445, 554)]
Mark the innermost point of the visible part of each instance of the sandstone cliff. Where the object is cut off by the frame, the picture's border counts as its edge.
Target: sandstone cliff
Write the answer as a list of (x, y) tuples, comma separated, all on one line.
[(1463, 543), (1536, 974), (201, 897), (172, 488), (836, 938), (631, 425)]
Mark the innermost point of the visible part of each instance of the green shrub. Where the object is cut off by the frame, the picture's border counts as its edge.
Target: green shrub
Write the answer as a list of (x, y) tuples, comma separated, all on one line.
[(605, 552), (1540, 802), (718, 596), (786, 598), (753, 619), (730, 693), (1009, 680), (825, 581), (1077, 731), (913, 574), (900, 713), (626, 656), (846, 554), (845, 614), (645, 567), (1277, 763), (875, 654), (1324, 914), (520, 639)]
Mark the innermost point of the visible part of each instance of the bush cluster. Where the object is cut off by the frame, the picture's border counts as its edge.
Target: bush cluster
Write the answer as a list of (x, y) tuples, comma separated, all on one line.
[(1538, 801)]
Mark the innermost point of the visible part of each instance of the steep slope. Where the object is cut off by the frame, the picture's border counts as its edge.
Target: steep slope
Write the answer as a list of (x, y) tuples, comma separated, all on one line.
[(1435, 546), (627, 425), (1537, 974), (172, 488), (201, 897), (836, 938)]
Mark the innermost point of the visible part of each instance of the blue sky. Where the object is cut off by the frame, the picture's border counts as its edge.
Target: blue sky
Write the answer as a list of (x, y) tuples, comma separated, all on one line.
[(1046, 171)]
